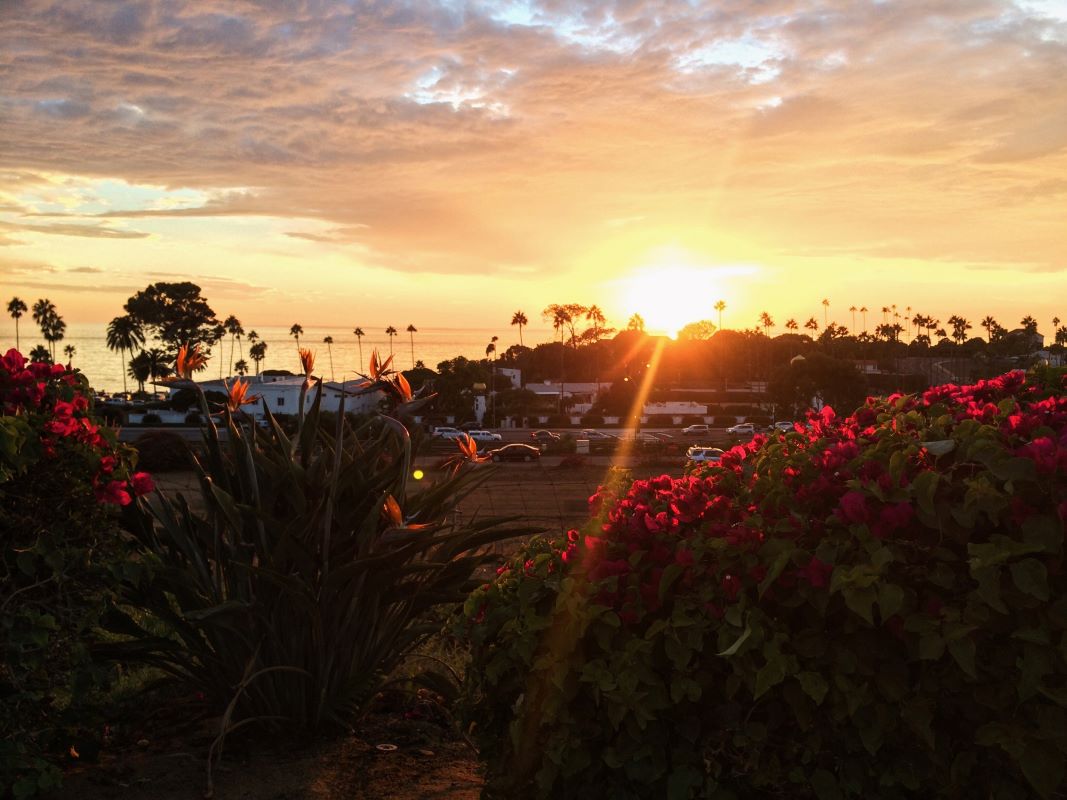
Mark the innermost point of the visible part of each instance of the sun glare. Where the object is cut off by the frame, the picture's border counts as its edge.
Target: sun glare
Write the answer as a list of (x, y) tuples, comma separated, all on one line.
[(670, 297)]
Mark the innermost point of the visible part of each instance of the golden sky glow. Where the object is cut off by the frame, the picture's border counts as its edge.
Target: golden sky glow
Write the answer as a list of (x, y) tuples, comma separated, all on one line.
[(338, 162)]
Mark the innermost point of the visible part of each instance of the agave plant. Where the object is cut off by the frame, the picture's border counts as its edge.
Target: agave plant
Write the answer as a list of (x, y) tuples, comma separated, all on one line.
[(307, 576)]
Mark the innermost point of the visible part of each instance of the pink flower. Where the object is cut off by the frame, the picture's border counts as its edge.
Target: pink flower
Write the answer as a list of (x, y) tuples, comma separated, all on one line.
[(142, 483), (853, 507), (114, 492)]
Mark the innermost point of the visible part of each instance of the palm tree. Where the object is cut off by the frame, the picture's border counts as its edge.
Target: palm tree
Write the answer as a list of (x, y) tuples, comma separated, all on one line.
[(51, 324), (812, 326), (124, 333), (328, 341), (69, 352), (560, 318), (140, 369), (853, 310), (636, 323), (359, 340), (241, 367), (791, 324), (40, 355), (720, 306), (412, 330), (519, 318), (159, 362), (825, 311), (16, 307), (1028, 324), (885, 315), (988, 323), (766, 321), (863, 311), (257, 352), (233, 327), (391, 332), (295, 331)]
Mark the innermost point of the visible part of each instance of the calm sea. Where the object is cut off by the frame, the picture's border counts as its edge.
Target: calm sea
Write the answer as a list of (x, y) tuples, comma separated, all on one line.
[(431, 346)]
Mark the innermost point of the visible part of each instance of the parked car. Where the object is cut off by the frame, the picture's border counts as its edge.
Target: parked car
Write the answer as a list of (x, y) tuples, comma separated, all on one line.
[(696, 430), (515, 452), (544, 437), (652, 439), (589, 433), (783, 425), (744, 429), (704, 455), (444, 432), (484, 436), (470, 426)]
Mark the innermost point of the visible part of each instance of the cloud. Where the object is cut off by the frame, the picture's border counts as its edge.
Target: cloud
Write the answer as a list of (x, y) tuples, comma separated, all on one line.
[(72, 229), (473, 137)]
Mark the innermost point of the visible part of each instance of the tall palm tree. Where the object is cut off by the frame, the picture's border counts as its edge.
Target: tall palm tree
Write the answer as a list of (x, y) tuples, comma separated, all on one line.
[(766, 322), (69, 352), (812, 326), (257, 352), (1028, 324), (519, 318), (233, 327), (51, 324), (560, 318), (863, 311), (720, 306), (328, 341), (295, 331), (359, 341), (989, 324), (412, 330), (853, 310), (124, 333), (391, 332), (636, 323), (885, 315), (241, 367), (16, 307), (791, 324), (825, 311)]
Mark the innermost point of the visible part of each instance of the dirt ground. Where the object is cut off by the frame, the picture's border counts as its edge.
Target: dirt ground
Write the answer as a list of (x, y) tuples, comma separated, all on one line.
[(161, 754)]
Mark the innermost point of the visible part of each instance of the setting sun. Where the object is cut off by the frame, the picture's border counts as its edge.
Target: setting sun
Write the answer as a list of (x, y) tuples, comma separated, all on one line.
[(668, 297)]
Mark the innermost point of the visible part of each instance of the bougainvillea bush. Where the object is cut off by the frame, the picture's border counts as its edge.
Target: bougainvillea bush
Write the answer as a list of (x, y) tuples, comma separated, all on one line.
[(61, 478), (870, 606)]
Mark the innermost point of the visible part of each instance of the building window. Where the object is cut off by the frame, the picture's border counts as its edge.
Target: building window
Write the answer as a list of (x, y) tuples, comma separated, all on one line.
[(281, 401)]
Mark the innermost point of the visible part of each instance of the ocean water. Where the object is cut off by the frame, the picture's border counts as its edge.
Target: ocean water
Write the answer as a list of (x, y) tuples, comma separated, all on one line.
[(104, 367)]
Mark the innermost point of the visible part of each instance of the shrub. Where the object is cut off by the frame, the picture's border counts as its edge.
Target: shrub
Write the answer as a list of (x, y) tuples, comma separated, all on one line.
[(660, 420), (724, 422), (193, 418), (304, 580), (151, 419), (559, 421), (60, 557), (875, 608), (759, 419), (693, 419), (592, 420)]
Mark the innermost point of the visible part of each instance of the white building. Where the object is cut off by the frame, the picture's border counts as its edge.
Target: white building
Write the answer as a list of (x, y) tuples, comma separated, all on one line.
[(281, 394)]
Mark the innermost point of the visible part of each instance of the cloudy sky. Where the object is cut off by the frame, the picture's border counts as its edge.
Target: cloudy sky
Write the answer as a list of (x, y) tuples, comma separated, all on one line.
[(336, 162)]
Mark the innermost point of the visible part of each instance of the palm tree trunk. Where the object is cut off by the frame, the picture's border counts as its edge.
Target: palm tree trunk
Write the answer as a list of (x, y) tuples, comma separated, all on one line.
[(412, 350), (329, 349), (17, 345), (520, 333), (122, 355), (359, 343)]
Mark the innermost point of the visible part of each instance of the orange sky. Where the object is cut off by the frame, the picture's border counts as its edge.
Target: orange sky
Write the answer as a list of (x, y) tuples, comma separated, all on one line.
[(339, 162)]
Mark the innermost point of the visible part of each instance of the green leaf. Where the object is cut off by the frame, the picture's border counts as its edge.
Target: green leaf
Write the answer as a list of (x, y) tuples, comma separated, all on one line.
[(890, 600), (860, 601), (27, 563), (963, 651), (825, 785), (780, 562), (1031, 577), (770, 675), (670, 574), (925, 487), (1043, 767), (732, 649), (988, 579), (814, 686)]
